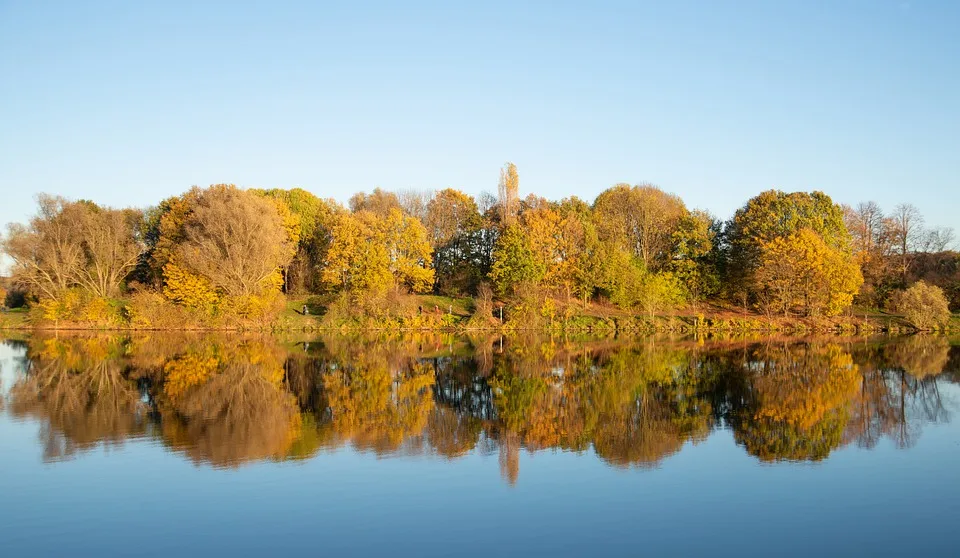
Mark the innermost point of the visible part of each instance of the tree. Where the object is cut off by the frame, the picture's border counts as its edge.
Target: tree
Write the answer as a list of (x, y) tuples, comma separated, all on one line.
[(111, 248), (923, 305), (905, 226), (371, 253), (453, 224), (800, 270), (774, 214), (871, 246), (236, 240), (414, 203), (514, 262), (73, 244), (938, 239), (315, 221), (379, 202), (509, 190), (641, 219), (355, 261), (693, 247)]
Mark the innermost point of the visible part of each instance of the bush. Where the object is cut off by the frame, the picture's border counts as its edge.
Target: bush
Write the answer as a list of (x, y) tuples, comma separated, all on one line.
[(924, 306)]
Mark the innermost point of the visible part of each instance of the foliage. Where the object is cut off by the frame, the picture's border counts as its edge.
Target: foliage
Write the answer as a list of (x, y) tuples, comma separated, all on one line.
[(923, 305), (372, 253), (800, 270), (641, 219), (514, 261), (73, 244), (772, 215)]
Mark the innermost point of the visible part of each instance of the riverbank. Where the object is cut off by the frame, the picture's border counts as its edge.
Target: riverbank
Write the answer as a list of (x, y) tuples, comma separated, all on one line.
[(438, 313)]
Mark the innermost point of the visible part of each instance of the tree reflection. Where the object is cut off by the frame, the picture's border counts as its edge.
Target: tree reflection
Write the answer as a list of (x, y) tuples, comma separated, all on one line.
[(227, 403), (224, 401), (81, 392)]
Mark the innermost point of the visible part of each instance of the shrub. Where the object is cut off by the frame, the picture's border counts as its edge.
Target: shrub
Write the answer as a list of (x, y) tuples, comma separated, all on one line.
[(924, 306)]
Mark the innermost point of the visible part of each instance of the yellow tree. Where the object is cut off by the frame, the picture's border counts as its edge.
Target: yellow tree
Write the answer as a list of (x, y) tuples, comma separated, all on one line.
[(641, 219), (800, 270), (369, 252)]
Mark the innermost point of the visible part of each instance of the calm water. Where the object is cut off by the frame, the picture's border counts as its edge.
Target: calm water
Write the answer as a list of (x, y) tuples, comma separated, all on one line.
[(172, 445)]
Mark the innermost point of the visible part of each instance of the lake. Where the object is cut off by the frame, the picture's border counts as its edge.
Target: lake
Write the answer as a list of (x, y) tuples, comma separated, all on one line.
[(168, 444)]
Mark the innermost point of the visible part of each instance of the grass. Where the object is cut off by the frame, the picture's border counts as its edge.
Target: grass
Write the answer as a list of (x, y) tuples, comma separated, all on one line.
[(14, 318), (461, 306)]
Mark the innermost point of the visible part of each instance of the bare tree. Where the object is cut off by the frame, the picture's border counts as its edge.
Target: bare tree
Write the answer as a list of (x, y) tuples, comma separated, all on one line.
[(938, 239), (414, 202), (46, 253), (905, 227), (110, 247), (236, 239)]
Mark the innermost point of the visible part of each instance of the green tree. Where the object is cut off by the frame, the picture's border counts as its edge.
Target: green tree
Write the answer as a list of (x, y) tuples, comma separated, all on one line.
[(774, 214), (454, 224), (692, 262), (514, 262)]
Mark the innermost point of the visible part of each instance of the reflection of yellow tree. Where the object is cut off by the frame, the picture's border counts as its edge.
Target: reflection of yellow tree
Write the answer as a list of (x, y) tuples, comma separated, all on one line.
[(228, 404), (80, 388), (635, 405), (919, 355), (799, 400), (375, 409)]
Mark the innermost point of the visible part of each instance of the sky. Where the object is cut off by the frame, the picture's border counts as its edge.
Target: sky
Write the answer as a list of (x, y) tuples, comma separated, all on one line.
[(126, 103)]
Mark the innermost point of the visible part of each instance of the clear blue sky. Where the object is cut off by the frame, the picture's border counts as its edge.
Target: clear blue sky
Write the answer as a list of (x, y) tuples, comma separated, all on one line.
[(126, 103)]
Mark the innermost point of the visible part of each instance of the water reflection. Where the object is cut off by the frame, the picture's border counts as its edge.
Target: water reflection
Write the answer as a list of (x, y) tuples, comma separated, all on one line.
[(229, 400)]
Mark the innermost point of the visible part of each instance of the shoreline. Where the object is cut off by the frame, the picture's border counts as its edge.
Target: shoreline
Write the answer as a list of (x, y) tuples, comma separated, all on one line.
[(611, 325)]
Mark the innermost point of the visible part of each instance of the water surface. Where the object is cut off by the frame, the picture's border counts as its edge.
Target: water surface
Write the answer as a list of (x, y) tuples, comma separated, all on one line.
[(437, 445)]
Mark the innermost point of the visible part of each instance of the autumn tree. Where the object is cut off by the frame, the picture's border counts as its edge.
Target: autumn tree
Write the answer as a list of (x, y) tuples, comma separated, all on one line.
[(905, 227), (379, 202), (800, 270), (872, 248), (925, 306), (454, 223), (509, 194), (372, 253), (73, 244), (514, 261), (236, 240), (641, 219), (316, 218), (414, 203), (693, 255), (774, 214)]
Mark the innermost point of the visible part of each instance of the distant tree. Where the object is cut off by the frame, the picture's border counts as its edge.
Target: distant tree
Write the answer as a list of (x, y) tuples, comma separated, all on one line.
[(371, 253), (691, 259), (905, 227), (938, 239), (414, 203), (872, 248), (315, 221), (379, 202), (454, 225), (74, 244), (509, 194)]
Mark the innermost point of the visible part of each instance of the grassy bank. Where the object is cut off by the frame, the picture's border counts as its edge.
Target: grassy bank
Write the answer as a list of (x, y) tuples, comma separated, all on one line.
[(430, 312)]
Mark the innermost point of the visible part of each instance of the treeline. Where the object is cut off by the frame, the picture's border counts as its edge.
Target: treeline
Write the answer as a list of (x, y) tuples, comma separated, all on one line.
[(222, 255)]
